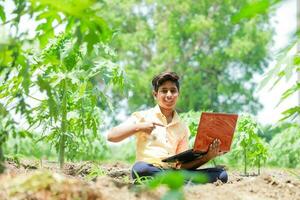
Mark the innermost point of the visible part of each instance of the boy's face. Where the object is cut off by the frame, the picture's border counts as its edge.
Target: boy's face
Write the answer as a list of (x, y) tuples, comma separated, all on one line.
[(167, 95)]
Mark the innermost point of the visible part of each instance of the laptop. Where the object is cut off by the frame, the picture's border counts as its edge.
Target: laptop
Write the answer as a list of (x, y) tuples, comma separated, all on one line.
[(211, 126)]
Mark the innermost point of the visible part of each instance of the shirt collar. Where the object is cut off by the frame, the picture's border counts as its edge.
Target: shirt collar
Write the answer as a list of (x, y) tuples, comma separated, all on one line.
[(158, 113)]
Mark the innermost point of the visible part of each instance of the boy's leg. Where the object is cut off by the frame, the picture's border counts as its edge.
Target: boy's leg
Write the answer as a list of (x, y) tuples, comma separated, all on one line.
[(214, 174), (144, 169)]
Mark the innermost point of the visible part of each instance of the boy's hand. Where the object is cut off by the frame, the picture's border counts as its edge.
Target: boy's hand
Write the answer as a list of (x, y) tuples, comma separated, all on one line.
[(214, 149), (148, 127)]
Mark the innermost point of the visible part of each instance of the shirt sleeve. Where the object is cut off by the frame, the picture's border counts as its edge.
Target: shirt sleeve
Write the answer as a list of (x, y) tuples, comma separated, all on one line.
[(183, 144), (134, 118)]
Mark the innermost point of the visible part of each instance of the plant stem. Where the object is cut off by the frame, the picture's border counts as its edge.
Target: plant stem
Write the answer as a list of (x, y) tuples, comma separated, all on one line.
[(245, 161), (35, 98), (2, 167), (63, 125), (258, 166)]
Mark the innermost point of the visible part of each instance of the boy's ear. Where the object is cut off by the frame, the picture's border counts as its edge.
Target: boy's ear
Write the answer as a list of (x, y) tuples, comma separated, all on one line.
[(154, 93)]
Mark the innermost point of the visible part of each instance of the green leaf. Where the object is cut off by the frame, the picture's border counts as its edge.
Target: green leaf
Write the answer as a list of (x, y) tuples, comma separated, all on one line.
[(289, 68), (56, 78), (71, 7), (2, 14), (268, 76), (253, 9), (45, 86), (82, 88), (45, 27), (296, 60), (173, 179), (24, 134), (291, 112), (25, 77), (295, 88)]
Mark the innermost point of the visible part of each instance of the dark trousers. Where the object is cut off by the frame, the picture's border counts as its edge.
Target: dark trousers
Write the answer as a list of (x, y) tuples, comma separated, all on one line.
[(143, 169)]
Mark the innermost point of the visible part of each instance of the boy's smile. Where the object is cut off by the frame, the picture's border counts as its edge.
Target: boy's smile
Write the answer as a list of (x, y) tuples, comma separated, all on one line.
[(167, 95)]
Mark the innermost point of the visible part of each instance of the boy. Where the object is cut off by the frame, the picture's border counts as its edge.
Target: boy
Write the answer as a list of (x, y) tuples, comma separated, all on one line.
[(160, 133)]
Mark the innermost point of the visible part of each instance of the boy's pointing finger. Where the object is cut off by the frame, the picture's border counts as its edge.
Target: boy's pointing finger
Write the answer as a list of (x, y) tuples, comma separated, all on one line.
[(158, 124)]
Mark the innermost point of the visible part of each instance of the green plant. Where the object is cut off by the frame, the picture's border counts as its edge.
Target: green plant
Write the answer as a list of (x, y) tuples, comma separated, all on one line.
[(68, 108), (249, 144), (175, 180), (285, 148), (7, 125), (94, 173), (67, 80), (288, 64), (139, 180)]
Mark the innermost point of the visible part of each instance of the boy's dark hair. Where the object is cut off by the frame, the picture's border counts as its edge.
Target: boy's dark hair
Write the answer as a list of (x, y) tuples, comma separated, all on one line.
[(163, 77)]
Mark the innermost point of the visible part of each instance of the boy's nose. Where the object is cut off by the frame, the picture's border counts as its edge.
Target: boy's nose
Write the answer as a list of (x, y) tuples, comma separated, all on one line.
[(169, 93)]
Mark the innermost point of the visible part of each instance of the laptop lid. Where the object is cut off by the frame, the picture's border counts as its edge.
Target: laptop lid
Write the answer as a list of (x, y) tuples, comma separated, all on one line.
[(215, 126)]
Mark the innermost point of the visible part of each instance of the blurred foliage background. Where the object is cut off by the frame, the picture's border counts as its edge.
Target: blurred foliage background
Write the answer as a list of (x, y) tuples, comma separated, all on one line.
[(69, 68), (215, 55)]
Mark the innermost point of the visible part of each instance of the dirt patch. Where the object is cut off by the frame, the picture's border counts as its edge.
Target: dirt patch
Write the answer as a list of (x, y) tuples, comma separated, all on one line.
[(87, 180), (44, 185), (80, 170), (271, 184)]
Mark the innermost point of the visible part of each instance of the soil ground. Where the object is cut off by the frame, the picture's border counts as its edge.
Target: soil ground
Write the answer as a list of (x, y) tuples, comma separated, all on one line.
[(44, 181)]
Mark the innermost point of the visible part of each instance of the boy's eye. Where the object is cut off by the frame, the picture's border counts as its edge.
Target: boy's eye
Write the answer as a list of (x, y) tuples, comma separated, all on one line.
[(165, 91)]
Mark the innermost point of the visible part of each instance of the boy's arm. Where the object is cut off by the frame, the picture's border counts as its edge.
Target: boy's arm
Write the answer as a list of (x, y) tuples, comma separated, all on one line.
[(125, 130), (213, 151)]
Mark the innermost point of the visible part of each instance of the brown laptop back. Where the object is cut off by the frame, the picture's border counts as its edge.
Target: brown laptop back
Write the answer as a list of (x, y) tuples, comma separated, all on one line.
[(215, 126)]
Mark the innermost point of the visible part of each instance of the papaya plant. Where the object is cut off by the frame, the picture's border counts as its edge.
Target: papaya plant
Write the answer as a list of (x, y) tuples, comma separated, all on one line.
[(248, 144), (61, 92), (7, 124), (68, 106)]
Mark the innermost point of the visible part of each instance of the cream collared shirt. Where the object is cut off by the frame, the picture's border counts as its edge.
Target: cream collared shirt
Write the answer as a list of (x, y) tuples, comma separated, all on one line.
[(163, 141)]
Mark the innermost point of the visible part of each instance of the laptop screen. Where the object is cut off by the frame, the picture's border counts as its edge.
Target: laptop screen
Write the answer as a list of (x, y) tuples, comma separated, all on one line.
[(215, 126)]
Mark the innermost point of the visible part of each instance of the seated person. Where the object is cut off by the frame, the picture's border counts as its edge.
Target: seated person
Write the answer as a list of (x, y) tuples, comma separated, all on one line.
[(160, 133)]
